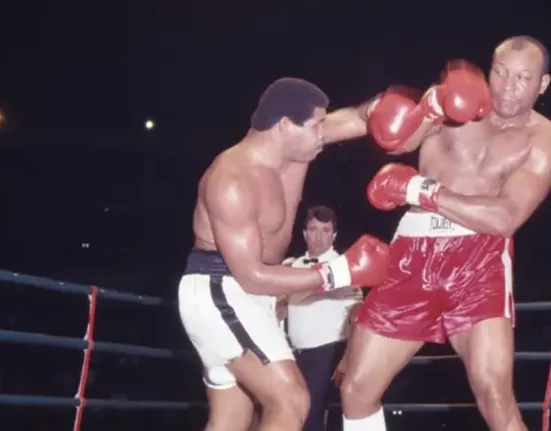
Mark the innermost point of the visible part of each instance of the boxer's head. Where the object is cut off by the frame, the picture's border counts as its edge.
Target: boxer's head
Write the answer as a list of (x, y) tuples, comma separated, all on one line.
[(320, 229), (519, 75), (292, 111)]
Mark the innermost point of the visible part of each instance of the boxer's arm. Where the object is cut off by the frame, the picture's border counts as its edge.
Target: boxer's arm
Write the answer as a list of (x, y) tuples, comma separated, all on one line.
[(350, 123), (415, 141), (523, 192), (347, 123), (233, 215)]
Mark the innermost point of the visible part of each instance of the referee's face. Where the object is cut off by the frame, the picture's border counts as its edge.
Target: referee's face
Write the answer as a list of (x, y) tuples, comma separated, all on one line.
[(319, 237)]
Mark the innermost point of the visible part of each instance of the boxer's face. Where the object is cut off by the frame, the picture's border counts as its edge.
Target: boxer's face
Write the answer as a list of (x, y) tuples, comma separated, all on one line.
[(516, 80), (305, 142), (319, 236)]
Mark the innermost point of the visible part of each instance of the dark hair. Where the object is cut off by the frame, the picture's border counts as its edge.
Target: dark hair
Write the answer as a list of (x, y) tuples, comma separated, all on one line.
[(287, 97), (321, 213), (519, 43)]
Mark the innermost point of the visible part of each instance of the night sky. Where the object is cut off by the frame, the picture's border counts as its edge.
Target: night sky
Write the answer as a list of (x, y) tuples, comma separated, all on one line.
[(91, 196)]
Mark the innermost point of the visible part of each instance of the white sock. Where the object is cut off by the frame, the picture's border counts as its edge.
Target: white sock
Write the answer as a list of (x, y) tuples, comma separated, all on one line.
[(374, 422)]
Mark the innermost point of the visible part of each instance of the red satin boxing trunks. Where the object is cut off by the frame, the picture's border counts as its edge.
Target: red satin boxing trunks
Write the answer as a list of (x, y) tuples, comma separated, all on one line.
[(443, 279)]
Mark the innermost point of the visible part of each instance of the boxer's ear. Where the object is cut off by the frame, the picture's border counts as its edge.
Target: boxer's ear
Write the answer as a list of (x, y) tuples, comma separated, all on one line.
[(285, 125), (334, 236), (304, 234), (544, 83)]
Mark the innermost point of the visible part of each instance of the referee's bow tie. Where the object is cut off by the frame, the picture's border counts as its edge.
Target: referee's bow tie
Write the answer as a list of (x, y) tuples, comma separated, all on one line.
[(313, 260)]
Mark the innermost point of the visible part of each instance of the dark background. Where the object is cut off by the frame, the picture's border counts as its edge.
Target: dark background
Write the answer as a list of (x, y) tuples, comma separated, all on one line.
[(90, 196)]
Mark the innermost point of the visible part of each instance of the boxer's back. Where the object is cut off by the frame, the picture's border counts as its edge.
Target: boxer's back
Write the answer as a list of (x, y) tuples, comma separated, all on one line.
[(276, 194), (477, 158)]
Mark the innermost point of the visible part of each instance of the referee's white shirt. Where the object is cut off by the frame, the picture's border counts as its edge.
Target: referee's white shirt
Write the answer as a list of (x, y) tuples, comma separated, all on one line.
[(316, 319)]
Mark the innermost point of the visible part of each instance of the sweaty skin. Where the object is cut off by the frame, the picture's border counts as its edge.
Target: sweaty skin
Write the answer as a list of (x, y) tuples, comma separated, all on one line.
[(503, 173), (248, 202), (496, 171), (494, 174)]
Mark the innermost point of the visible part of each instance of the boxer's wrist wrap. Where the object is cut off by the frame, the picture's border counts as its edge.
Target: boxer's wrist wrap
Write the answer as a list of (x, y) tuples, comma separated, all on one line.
[(423, 192), (335, 274)]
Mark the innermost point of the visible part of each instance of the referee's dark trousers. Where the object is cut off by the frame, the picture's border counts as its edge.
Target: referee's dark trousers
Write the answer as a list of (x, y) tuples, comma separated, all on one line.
[(317, 366)]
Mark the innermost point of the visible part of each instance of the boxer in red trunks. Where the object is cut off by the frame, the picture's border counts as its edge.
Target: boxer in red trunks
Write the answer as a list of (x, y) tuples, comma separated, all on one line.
[(485, 166)]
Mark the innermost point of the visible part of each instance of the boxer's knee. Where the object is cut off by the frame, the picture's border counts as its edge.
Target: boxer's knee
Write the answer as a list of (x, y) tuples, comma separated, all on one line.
[(492, 385), (230, 409), (491, 376), (359, 397), (493, 390), (288, 405)]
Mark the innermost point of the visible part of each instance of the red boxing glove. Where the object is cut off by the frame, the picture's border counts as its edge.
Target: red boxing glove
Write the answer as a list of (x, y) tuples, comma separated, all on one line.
[(394, 117), (462, 96), (396, 184), (365, 263)]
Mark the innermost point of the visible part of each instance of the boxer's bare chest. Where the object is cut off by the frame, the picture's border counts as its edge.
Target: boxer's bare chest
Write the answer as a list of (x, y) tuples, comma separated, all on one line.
[(474, 159), (278, 202)]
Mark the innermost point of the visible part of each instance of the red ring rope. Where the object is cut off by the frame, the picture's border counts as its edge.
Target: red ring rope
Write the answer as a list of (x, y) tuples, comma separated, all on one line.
[(86, 361)]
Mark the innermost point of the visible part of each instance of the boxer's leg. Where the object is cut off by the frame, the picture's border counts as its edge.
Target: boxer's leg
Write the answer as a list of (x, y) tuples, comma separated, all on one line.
[(487, 350), (479, 322), (230, 409), (238, 334), (279, 388), (266, 367), (397, 318), (373, 362)]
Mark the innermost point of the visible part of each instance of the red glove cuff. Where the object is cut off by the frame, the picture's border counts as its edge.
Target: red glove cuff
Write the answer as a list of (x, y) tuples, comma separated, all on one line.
[(432, 106)]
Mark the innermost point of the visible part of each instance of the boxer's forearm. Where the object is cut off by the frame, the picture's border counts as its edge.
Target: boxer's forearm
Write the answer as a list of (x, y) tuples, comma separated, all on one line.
[(280, 280), (343, 125), (490, 215), (347, 123)]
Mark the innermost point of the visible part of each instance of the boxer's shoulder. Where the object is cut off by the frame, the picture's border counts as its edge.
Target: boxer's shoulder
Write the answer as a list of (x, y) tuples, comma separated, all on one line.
[(541, 128), (233, 180), (538, 133), (540, 144)]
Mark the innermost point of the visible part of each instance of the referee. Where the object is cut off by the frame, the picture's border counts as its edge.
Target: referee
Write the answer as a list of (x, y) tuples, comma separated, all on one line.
[(318, 324)]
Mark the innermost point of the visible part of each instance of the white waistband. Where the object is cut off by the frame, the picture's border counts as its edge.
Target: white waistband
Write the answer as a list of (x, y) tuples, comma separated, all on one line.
[(417, 224)]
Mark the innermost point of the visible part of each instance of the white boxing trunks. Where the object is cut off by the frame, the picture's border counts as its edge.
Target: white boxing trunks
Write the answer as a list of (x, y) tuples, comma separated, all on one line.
[(223, 321)]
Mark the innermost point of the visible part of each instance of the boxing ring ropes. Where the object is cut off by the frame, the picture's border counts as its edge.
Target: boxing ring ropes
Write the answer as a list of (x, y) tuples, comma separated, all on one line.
[(88, 344)]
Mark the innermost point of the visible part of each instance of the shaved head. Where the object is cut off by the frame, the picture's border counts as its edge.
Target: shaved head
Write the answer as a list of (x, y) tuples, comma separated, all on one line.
[(522, 43), (519, 75)]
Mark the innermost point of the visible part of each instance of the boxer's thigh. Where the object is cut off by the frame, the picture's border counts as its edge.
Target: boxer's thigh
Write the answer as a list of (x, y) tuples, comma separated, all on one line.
[(487, 350), (267, 367), (209, 319), (273, 383), (480, 326), (483, 288), (373, 360)]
